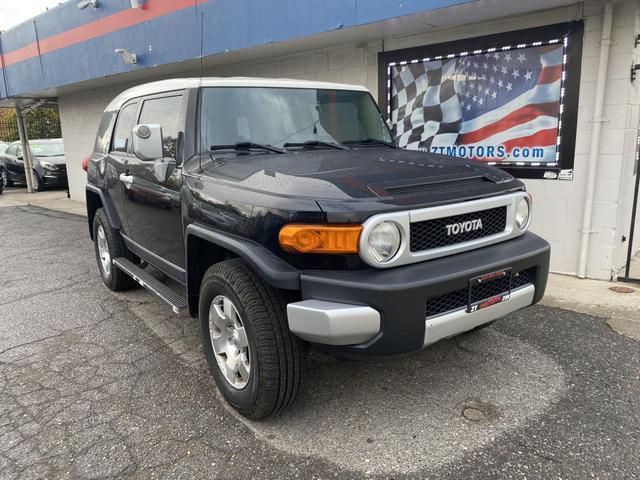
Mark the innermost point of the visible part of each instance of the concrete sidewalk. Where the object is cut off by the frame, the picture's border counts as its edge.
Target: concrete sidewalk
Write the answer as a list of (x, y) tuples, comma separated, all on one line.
[(51, 199), (595, 297)]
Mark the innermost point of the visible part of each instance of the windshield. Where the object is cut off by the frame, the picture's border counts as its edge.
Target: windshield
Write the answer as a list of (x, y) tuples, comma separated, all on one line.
[(49, 149), (284, 116)]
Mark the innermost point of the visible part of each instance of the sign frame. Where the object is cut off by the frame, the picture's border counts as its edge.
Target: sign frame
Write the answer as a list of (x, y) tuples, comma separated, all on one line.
[(570, 34)]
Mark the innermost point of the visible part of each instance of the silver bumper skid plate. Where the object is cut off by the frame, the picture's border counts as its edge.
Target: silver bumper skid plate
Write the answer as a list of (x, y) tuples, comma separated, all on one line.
[(332, 323)]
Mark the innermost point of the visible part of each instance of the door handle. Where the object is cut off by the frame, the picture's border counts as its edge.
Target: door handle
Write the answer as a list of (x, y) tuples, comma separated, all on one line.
[(128, 179)]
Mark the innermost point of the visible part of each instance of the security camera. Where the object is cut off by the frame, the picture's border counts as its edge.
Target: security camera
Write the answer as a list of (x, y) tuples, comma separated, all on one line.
[(87, 3), (127, 57)]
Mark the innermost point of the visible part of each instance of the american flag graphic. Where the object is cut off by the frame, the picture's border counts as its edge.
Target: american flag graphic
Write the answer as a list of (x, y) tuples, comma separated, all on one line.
[(509, 98)]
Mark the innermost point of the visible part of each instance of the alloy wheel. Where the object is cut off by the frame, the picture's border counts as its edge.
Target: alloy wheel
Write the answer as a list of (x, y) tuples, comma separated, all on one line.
[(103, 251), (229, 342)]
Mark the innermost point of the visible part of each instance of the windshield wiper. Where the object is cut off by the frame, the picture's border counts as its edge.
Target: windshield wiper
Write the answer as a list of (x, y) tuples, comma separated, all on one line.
[(316, 143), (247, 146), (369, 141)]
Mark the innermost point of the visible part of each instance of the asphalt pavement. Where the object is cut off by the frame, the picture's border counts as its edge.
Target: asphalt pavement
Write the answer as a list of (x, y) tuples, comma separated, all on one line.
[(95, 384)]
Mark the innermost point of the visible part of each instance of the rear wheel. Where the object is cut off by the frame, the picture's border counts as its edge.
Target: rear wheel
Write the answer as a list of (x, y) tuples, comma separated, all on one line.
[(108, 245), (255, 360)]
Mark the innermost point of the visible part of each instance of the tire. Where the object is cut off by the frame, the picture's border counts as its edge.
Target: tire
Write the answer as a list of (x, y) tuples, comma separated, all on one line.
[(6, 179), (274, 354), (37, 185), (114, 278)]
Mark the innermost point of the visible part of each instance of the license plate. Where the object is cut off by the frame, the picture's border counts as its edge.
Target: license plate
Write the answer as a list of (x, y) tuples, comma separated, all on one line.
[(481, 281)]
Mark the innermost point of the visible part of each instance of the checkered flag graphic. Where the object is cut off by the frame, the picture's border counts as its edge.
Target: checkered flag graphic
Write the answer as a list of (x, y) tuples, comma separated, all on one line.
[(425, 110)]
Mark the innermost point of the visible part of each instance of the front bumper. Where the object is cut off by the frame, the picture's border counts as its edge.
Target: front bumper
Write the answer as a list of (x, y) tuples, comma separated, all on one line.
[(391, 305), (52, 179)]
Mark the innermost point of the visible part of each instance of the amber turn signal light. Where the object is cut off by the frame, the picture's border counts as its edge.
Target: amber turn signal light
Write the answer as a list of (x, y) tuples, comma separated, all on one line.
[(336, 239)]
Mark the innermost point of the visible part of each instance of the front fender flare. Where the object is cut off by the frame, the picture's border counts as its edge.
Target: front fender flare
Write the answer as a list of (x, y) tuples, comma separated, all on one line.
[(273, 270)]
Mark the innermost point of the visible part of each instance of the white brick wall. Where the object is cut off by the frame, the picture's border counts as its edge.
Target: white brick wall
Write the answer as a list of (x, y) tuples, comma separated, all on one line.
[(558, 204)]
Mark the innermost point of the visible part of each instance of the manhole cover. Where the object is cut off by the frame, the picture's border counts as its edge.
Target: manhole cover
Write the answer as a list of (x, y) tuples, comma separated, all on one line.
[(621, 289), (473, 414)]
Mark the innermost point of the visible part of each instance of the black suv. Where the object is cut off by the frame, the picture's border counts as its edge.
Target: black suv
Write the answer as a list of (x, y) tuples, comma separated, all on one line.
[(290, 218)]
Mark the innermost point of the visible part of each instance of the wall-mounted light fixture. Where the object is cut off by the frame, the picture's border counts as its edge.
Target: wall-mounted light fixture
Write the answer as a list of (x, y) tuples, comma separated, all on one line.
[(127, 57), (87, 3)]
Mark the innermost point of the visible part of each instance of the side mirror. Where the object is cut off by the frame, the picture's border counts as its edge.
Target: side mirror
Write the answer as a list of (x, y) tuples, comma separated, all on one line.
[(147, 142), (20, 158)]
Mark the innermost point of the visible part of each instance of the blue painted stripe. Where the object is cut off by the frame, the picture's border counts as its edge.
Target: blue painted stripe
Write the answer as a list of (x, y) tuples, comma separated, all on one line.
[(175, 37)]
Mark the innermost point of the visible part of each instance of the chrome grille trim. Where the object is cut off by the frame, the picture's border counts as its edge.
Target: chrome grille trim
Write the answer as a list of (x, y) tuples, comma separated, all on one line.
[(404, 219)]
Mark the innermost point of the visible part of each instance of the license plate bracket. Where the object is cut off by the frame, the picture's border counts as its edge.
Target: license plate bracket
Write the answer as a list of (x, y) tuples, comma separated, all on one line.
[(480, 281)]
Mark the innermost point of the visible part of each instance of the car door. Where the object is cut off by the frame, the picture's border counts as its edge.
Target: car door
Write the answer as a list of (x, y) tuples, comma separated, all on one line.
[(118, 157), (152, 196), (14, 163)]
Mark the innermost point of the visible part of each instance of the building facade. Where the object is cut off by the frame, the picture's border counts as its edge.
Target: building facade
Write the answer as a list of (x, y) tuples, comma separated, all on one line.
[(582, 202)]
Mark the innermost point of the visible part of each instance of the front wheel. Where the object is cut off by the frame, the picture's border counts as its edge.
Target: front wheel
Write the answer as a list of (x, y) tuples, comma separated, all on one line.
[(6, 180), (254, 358), (37, 185)]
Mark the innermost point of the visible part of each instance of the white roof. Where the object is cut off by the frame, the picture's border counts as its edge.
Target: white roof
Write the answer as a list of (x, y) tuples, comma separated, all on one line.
[(184, 83)]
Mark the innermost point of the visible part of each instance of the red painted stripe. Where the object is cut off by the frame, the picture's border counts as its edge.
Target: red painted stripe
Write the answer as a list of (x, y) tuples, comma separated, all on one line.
[(522, 115), (543, 138), (118, 21), (550, 74)]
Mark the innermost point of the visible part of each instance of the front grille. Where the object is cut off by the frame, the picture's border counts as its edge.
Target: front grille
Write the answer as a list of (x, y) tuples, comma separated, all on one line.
[(439, 187), (434, 233), (460, 298)]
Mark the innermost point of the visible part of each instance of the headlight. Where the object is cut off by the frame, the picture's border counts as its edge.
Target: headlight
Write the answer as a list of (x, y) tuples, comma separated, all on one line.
[(523, 212), (48, 165), (384, 241)]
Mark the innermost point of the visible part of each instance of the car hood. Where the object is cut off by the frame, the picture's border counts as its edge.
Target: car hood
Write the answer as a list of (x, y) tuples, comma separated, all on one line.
[(359, 175)]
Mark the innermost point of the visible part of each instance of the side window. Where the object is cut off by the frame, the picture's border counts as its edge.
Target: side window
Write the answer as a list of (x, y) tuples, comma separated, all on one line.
[(104, 133), (19, 151), (166, 112), (12, 150), (124, 127)]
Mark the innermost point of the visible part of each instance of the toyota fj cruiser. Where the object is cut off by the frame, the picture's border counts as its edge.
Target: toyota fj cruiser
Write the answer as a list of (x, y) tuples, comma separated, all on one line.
[(289, 218)]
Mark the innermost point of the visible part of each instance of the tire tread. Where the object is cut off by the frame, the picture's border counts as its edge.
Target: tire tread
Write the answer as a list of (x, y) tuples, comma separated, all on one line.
[(281, 358)]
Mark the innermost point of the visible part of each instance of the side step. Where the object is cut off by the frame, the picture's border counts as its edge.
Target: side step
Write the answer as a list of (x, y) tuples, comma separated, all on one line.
[(148, 281)]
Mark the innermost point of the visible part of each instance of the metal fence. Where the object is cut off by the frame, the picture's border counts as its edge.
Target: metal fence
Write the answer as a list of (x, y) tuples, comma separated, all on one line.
[(36, 128)]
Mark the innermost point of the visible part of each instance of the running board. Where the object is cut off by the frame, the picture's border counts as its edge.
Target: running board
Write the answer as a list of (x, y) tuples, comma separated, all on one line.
[(148, 281)]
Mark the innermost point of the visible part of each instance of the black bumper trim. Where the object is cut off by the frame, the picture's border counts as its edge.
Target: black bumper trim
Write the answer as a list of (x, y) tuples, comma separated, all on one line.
[(400, 294)]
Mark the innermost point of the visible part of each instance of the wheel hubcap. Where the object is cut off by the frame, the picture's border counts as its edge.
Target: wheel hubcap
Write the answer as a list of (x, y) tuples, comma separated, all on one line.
[(5, 180), (103, 251), (229, 342)]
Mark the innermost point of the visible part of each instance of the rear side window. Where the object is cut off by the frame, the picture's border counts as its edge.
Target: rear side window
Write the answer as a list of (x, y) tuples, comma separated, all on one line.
[(104, 133), (124, 127), (12, 150), (165, 112)]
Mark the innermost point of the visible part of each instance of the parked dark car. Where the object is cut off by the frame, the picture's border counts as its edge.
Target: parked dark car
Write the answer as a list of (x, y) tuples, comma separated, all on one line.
[(3, 147), (290, 218), (49, 164)]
